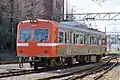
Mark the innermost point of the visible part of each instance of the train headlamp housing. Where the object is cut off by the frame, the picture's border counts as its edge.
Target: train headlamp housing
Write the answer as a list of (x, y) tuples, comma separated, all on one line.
[(33, 21)]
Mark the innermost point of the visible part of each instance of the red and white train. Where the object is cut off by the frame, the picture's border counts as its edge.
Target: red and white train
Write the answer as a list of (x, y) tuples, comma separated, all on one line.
[(46, 42)]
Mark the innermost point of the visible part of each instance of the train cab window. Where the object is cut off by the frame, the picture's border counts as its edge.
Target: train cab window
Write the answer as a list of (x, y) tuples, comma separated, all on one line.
[(25, 34), (77, 39), (81, 39), (61, 37), (41, 34)]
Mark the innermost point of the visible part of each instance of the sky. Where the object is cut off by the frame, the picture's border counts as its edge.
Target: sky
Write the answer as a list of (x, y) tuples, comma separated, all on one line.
[(87, 6)]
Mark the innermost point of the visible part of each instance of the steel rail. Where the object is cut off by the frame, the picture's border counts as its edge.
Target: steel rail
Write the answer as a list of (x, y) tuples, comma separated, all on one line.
[(83, 73), (22, 72), (105, 71)]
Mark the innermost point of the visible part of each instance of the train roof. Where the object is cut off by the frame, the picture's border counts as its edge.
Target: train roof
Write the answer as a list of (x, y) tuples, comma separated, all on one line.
[(73, 25), (35, 20)]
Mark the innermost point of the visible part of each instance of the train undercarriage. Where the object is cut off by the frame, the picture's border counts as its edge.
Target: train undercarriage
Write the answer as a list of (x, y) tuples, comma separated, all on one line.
[(53, 62)]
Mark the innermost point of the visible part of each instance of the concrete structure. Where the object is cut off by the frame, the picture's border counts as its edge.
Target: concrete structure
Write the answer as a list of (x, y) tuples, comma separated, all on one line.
[(53, 8)]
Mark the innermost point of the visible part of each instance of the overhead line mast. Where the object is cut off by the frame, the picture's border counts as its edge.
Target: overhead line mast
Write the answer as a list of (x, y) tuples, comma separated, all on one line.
[(97, 16), (66, 9)]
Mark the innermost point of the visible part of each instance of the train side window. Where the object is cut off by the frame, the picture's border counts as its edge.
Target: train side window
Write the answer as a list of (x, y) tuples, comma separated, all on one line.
[(74, 38), (103, 41), (100, 41), (70, 37), (65, 37), (86, 39), (77, 39), (81, 39), (91, 40), (95, 41), (61, 37)]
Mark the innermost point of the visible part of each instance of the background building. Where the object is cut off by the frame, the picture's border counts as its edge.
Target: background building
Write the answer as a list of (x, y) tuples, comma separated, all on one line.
[(54, 8)]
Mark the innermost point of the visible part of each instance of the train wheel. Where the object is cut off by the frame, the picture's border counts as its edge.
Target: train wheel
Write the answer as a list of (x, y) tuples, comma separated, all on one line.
[(35, 66), (20, 65), (20, 62), (69, 61), (98, 57), (31, 64), (62, 61), (53, 63)]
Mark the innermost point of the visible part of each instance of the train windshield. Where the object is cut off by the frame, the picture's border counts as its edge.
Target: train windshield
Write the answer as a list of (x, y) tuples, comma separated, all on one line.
[(41, 34), (25, 34)]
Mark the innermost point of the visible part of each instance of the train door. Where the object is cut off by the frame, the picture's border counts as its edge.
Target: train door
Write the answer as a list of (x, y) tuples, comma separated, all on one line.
[(69, 43)]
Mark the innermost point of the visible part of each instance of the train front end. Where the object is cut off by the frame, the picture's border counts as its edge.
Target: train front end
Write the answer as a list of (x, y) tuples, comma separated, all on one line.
[(36, 39)]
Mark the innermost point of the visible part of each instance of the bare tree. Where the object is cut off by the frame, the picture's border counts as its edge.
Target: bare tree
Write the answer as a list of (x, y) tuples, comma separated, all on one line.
[(13, 11), (33, 8), (9, 10)]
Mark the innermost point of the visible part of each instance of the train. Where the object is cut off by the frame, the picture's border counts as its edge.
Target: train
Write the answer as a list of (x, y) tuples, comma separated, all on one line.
[(49, 43)]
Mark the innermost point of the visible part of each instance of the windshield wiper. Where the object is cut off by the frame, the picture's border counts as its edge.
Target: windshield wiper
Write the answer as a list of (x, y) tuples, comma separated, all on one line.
[(26, 39), (41, 39)]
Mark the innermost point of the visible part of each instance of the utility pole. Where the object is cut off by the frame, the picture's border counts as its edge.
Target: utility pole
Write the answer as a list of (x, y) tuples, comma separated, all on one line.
[(105, 37), (109, 42), (71, 16), (66, 9), (31, 11), (117, 43), (0, 11)]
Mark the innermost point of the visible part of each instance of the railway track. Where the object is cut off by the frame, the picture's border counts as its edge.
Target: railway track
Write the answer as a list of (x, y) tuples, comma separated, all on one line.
[(17, 72), (20, 72), (105, 68), (81, 74), (105, 71), (8, 62), (23, 72), (11, 62)]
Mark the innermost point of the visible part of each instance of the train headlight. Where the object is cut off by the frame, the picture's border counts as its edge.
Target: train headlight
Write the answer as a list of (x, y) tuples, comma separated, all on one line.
[(33, 21)]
